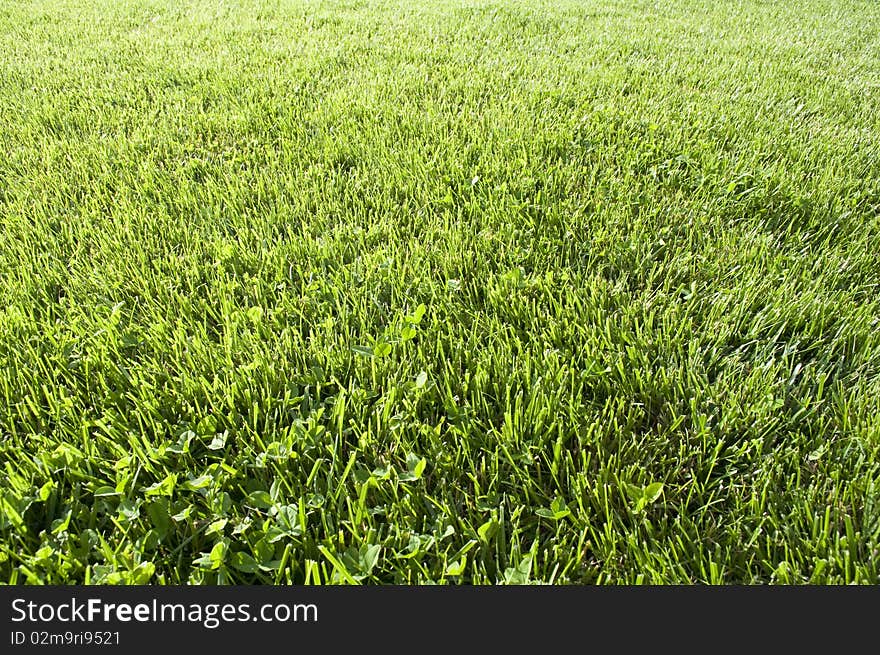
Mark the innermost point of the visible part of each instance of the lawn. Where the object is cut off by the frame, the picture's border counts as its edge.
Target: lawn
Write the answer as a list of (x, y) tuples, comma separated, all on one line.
[(441, 291)]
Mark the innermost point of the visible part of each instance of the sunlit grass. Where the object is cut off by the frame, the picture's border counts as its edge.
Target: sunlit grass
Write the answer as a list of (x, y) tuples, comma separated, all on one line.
[(454, 292)]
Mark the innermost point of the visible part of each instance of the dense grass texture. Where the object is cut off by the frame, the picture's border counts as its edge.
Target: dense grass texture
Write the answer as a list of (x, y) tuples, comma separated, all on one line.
[(453, 292)]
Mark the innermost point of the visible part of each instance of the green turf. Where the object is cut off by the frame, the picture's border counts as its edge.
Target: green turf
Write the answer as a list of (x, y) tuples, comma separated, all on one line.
[(441, 291)]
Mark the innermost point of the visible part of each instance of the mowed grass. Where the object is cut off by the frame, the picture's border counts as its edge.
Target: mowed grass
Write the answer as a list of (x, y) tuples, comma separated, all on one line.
[(440, 292)]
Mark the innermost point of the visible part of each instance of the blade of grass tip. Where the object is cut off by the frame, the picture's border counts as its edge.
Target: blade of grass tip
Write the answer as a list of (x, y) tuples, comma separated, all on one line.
[(339, 566)]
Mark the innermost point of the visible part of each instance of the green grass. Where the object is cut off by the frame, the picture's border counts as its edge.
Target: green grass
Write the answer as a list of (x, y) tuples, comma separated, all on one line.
[(443, 291)]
